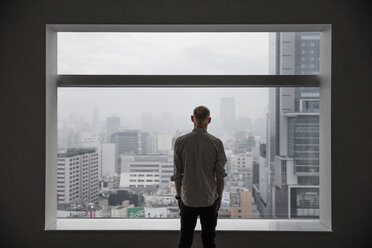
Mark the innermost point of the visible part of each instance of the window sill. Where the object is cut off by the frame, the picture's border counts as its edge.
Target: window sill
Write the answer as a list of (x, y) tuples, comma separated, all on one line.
[(174, 225)]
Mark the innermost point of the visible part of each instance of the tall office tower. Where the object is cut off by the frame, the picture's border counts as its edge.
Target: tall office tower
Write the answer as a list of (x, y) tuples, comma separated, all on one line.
[(227, 114), (126, 142), (293, 128), (77, 176), (112, 124)]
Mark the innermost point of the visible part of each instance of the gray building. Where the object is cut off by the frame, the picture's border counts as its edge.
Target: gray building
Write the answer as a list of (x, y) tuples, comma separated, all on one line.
[(146, 142), (77, 176), (126, 142), (293, 129)]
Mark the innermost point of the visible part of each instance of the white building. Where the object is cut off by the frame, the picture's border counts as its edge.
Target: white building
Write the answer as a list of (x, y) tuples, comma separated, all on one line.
[(146, 170), (77, 176), (241, 167), (163, 142)]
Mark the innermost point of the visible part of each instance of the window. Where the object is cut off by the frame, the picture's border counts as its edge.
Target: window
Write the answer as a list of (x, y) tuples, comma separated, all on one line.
[(301, 132)]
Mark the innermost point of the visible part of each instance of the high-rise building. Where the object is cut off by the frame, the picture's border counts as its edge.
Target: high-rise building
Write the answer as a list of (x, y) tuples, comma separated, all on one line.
[(293, 129), (77, 176), (227, 114), (126, 142)]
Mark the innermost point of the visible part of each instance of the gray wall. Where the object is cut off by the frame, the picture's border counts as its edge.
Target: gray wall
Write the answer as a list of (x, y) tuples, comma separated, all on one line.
[(22, 125)]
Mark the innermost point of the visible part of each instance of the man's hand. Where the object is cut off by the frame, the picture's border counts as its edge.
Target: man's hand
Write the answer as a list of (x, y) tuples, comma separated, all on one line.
[(178, 185), (219, 203), (220, 187)]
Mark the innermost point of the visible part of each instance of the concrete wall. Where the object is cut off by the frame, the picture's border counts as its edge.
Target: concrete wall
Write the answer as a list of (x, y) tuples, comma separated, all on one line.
[(22, 108)]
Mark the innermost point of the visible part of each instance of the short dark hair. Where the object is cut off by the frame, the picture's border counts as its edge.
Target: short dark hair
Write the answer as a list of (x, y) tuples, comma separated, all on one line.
[(201, 113)]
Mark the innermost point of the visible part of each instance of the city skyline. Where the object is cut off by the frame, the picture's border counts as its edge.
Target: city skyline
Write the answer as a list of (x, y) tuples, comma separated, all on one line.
[(250, 103)]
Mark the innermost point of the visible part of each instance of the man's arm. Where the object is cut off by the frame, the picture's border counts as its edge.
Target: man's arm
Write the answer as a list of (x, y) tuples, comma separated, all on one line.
[(177, 170), (220, 172), (220, 187), (178, 185)]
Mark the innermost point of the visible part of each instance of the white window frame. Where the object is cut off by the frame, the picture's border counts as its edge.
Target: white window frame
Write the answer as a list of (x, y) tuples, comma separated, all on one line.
[(53, 80)]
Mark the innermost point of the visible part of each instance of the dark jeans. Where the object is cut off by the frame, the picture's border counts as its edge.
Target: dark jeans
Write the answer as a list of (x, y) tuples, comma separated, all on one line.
[(208, 221)]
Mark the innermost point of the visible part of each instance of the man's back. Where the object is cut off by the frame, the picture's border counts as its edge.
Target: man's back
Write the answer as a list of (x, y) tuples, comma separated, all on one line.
[(199, 159)]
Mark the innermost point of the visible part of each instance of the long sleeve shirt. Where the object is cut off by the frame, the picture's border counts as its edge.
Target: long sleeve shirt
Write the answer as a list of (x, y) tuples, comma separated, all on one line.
[(199, 159)]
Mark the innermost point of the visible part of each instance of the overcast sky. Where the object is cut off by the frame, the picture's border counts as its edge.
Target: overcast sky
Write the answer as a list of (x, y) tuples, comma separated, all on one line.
[(249, 102), (161, 53)]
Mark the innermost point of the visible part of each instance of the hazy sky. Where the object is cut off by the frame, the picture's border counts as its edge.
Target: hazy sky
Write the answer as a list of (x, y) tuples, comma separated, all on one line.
[(161, 53), (249, 102)]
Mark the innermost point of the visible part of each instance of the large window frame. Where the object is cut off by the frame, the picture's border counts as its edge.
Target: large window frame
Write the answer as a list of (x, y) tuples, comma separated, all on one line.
[(53, 81)]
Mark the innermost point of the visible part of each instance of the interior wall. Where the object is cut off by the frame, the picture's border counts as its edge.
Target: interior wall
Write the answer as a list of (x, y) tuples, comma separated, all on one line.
[(22, 125)]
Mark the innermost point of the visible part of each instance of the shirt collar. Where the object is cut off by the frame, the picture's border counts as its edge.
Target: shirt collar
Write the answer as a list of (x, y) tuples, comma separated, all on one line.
[(199, 129)]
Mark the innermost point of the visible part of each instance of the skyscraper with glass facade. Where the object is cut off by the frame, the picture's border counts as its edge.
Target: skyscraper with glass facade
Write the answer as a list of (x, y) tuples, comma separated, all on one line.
[(293, 129)]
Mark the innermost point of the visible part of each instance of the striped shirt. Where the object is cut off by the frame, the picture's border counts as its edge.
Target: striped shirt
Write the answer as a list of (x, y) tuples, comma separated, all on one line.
[(199, 158)]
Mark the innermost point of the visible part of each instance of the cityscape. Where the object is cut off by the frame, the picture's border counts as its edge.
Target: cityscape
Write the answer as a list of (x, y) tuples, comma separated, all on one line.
[(119, 165)]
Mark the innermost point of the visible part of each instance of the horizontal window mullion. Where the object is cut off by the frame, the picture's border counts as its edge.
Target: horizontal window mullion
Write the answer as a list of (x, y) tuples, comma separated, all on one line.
[(187, 27), (188, 81)]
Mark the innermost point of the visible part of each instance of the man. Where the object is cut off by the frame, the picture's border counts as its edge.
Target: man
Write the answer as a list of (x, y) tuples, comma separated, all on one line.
[(199, 161)]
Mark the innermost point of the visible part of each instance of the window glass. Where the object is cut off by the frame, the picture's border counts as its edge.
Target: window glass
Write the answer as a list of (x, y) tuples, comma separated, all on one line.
[(191, 53), (122, 140)]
